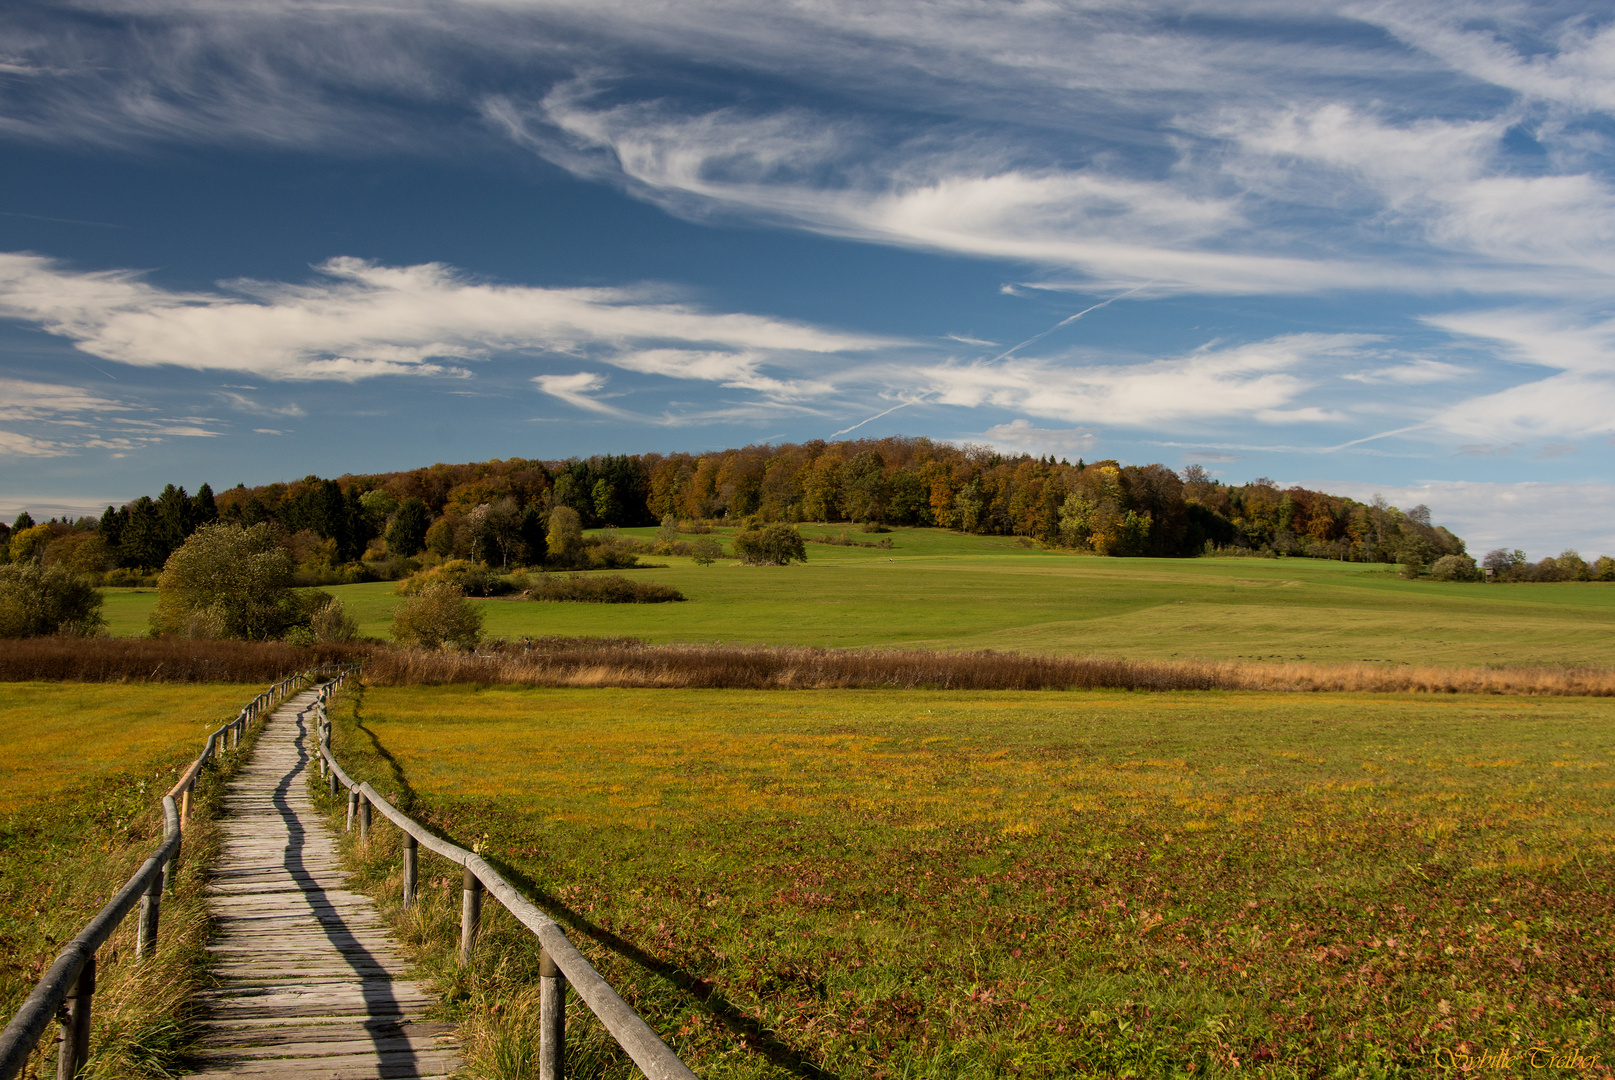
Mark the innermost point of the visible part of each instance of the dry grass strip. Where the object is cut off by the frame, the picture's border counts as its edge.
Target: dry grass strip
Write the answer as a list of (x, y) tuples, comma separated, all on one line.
[(625, 662), (66, 659)]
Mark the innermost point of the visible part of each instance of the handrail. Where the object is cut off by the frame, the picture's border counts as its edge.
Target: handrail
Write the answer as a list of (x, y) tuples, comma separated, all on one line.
[(561, 962), (71, 979)]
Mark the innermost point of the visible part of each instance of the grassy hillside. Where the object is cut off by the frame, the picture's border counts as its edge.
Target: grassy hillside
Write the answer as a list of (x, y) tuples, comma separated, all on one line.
[(930, 884), (937, 589)]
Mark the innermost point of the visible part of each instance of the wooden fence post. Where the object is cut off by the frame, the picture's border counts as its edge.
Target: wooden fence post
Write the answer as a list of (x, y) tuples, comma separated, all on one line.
[(353, 809), (364, 820), (411, 869), (151, 906), (75, 1049), (551, 1020), (170, 827), (470, 914)]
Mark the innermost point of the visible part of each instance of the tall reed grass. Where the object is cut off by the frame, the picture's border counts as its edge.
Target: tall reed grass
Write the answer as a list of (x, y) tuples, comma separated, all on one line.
[(627, 662), (61, 659), (559, 662)]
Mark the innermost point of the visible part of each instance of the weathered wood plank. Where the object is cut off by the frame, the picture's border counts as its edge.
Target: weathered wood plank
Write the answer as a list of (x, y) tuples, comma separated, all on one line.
[(310, 983)]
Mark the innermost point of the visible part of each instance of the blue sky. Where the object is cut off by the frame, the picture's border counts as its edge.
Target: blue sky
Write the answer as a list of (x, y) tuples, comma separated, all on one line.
[(1369, 248)]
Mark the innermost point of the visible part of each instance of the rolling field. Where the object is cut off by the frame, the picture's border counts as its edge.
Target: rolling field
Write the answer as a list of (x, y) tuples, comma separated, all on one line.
[(930, 884), (81, 783), (942, 590)]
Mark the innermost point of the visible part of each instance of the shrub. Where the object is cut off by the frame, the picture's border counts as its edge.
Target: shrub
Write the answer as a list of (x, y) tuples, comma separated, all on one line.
[(332, 624), (242, 574), (604, 589), (469, 577), (706, 551), (772, 545), (1454, 568), (439, 617), (37, 600)]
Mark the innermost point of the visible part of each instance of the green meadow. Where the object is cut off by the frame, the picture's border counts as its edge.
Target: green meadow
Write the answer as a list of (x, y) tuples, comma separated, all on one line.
[(941, 590), (934, 884)]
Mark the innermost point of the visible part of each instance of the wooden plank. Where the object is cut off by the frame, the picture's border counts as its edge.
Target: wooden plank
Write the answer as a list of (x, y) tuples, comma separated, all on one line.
[(310, 983)]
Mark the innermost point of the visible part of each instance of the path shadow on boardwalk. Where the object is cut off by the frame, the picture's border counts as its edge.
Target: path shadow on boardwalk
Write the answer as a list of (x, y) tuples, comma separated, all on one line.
[(381, 1006)]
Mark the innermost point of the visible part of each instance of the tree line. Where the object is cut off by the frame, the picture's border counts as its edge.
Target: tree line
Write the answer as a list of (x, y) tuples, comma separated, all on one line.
[(498, 512)]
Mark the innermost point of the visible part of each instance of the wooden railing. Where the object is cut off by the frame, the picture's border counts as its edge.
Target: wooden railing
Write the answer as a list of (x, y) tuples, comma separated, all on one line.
[(70, 982), (560, 962)]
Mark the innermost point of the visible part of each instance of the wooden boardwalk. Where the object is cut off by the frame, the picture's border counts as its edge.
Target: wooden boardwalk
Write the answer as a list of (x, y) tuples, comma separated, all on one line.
[(310, 983)]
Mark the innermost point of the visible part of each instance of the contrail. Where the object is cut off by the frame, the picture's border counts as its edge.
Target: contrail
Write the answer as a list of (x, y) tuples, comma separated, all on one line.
[(1067, 322), (1381, 435), (877, 416)]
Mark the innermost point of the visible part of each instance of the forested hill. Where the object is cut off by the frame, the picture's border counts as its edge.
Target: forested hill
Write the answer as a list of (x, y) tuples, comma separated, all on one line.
[(1103, 506)]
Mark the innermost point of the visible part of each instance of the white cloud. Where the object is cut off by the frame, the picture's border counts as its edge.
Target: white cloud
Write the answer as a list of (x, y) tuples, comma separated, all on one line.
[(1118, 141), (575, 390), (1115, 228), (1444, 177), (21, 399), (1577, 402), (1417, 372), (361, 320), (14, 444), (242, 403), (1259, 380), (1022, 437), (1577, 68)]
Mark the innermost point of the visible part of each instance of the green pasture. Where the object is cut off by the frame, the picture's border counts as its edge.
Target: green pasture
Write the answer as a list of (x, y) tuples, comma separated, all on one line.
[(934, 884), (942, 590)]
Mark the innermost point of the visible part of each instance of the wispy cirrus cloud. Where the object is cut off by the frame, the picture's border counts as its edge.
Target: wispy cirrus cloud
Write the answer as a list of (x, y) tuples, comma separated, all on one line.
[(1577, 401), (1260, 381), (1283, 152), (360, 320)]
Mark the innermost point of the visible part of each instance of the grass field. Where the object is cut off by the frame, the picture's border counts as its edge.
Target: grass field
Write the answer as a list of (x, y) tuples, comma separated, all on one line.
[(928, 884), (81, 781), (936, 589)]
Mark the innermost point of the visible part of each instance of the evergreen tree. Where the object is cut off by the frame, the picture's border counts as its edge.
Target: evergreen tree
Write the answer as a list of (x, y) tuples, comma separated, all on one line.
[(144, 543), (204, 511), (406, 535), (111, 526)]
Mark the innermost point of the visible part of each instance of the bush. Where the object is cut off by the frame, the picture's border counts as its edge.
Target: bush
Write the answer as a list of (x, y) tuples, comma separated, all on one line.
[(606, 589), (439, 617), (472, 579), (772, 545), (706, 551), (1455, 568), (227, 581), (38, 600), (332, 625)]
